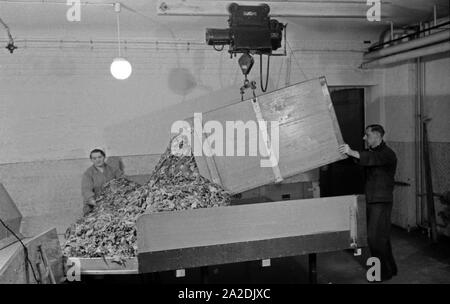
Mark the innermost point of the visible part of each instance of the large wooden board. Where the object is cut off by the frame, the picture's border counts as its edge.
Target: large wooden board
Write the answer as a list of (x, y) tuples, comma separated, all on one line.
[(193, 238), (309, 136)]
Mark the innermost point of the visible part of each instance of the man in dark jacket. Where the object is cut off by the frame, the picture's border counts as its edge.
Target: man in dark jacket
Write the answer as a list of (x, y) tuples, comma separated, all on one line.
[(380, 163)]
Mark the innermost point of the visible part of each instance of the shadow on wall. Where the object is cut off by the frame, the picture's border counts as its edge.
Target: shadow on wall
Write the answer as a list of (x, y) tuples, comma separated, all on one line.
[(150, 133), (181, 81), (116, 162)]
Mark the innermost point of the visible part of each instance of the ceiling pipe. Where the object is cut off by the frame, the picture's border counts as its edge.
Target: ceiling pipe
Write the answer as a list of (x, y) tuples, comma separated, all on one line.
[(417, 53), (400, 35), (406, 46), (412, 34)]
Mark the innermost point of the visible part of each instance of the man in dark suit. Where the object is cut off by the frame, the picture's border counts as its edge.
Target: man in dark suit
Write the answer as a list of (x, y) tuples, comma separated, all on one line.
[(380, 163)]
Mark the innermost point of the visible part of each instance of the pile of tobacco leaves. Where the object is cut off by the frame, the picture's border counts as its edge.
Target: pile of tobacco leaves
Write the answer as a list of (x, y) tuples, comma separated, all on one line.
[(110, 231)]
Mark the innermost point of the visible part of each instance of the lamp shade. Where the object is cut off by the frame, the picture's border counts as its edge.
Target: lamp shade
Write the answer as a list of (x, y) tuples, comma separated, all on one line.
[(120, 68)]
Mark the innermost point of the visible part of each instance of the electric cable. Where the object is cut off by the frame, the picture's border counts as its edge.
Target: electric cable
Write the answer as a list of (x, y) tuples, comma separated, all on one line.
[(295, 59), (264, 88), (118, 30)]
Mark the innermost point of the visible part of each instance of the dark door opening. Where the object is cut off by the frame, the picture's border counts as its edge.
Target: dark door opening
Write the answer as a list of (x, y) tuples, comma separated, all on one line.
[(345, 177)]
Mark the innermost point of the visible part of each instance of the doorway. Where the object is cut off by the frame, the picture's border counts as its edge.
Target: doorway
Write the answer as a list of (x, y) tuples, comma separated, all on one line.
[(345, 177)]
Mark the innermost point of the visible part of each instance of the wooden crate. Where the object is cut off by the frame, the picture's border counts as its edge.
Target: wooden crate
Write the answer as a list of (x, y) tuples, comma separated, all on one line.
[(309, 136)]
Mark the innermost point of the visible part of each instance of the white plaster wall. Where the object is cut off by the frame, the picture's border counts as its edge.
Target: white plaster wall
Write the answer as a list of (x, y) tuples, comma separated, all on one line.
[(437, 97), (392, 103), (60, 102)]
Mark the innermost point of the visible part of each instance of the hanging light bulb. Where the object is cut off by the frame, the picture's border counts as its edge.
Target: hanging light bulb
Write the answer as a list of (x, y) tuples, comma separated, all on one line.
[(120, 67)]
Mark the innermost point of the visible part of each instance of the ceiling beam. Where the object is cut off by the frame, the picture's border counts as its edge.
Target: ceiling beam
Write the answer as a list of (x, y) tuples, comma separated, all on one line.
[(329, 9)]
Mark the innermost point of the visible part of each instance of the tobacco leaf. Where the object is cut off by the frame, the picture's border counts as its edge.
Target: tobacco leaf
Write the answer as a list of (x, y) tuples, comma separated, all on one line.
[(110, 230)]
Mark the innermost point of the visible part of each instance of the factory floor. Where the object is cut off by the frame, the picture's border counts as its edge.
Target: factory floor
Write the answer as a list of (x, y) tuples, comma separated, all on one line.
[(419, 262)]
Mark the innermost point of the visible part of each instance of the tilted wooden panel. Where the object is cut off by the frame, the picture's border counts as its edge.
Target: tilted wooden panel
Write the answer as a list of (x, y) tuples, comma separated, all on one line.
[(309, 136)]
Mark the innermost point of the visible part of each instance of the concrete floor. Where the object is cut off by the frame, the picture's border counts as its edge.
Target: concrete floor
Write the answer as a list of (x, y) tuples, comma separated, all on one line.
[(419, 262)]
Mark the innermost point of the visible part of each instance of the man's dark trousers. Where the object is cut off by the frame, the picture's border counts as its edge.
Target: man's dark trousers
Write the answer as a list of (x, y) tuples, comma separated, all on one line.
[(379, 236)]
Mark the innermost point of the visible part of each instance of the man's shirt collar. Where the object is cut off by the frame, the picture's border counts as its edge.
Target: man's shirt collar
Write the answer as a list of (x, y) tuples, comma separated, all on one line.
[(379, 147)]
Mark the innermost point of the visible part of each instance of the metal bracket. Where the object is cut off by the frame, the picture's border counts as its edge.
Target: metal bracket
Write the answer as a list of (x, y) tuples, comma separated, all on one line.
[(357, 251), (248, 84)]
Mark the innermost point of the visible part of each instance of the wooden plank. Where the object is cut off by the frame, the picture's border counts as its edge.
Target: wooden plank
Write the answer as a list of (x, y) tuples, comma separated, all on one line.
[(243, 223), (309, 136), (13, 269), (264, 137), (347, 9), (192, 238), (332, 113), (97, 266), (242, 252)]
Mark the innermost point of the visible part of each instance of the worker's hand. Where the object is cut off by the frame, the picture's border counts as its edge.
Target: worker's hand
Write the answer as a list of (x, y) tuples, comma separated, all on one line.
[(345, 149), (91, 202)]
